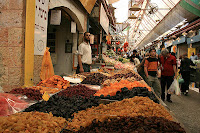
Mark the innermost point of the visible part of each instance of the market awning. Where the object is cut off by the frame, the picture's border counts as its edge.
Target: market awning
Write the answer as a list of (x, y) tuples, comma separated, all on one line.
[(175, 16), (88, 4)]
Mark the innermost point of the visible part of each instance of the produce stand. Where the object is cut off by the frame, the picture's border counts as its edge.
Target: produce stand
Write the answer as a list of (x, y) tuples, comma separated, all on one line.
[(94, 83)]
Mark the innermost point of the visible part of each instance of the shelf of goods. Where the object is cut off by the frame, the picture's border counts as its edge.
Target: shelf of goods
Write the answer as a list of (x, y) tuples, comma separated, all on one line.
[(119, 64), (123, 103)]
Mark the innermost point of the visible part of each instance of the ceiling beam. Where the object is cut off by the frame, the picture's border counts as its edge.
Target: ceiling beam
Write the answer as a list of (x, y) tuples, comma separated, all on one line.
[(144, 5)]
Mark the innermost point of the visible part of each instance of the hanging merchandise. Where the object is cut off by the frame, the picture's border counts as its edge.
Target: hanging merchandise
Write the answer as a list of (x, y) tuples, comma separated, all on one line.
[(118, 43), (174, 49), (108, 42), (47, 70), (118, 49), (125, 44), (125, 49), (114, 50)]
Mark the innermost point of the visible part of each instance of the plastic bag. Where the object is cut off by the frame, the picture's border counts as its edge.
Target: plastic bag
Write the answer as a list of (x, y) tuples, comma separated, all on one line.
[(174, 88), (47, 70), (10, 104), (180, 80)]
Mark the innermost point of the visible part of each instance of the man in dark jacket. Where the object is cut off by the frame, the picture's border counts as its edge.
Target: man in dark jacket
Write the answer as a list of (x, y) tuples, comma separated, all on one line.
[(185, 72)]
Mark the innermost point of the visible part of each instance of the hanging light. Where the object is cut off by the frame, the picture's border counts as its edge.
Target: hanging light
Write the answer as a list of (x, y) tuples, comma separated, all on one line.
[(173, 36), (178, 39), (184, 33), (135, 8), (191, 31), (132, 17)]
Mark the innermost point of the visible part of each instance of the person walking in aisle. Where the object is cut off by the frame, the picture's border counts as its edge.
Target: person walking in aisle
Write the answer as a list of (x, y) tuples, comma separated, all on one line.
[(193, 57), (168, 72), (151, 71), (135, 60), (140, 68), (185, 73), (84, 55)]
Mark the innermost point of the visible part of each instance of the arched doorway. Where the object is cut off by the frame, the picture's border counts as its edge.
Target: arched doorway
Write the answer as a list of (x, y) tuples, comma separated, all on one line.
[(63, 44)]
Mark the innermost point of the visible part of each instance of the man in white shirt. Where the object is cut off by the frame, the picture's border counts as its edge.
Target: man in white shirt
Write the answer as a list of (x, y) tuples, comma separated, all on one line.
[(135, 60), (84, 55), (193, 57)]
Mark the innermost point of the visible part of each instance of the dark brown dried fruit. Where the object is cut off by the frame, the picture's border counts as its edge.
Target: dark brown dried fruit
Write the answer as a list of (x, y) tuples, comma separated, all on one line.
[(138, 124)]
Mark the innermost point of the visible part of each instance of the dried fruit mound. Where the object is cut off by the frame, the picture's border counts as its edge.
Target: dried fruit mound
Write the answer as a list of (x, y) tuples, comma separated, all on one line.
[(136, 91), (137, 106), (138, 124), (55, 82), (46, 89), (127, 75), (113, 88), (78, 90), (64, 106), (94, 79), (29, 92), (10, 103), (31, 122)]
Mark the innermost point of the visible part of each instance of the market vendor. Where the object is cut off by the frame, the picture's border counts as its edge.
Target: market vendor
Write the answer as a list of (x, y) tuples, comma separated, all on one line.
[(84, 55)]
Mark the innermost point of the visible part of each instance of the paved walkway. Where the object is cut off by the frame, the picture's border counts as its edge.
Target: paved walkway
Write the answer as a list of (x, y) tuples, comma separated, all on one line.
[(187, 110)]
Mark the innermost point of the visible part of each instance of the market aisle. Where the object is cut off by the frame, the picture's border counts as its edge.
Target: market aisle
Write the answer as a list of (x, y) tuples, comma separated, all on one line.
[(187, 110)]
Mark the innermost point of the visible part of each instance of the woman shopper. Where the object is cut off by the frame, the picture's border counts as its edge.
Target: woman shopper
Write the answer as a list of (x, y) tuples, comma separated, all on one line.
[(185, 73)]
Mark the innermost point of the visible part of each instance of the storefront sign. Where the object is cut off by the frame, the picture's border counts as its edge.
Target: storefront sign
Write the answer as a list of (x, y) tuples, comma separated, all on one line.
[(182, 40), (73, 27), (55, 17), (41, 19), (193, 39), (104, 21), (168, 43)]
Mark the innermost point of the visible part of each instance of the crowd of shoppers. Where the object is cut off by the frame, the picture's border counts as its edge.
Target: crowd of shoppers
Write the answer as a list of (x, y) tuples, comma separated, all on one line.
[(152, 63)]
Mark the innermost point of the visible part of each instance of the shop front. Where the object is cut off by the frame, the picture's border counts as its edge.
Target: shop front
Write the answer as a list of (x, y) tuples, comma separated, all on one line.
[(168, 45), (194, 43), (182, 46), (66, 26)]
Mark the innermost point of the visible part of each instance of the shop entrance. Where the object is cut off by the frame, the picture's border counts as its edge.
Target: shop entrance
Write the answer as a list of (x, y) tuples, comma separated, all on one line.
[(60, 41)]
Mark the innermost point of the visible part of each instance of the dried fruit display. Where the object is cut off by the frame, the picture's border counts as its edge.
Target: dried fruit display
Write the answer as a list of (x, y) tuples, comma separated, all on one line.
[(136, 91), (114, 87), (123, 76), (137, 106), (46, 89), (10, 104), (94, 79), (78, 90), (128, 75), (138, 124), (31, 122), (55, 82), (64, 106), (29, 92)]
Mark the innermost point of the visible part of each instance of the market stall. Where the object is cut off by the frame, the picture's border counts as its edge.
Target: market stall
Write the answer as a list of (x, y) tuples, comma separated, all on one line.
[(99, 99)]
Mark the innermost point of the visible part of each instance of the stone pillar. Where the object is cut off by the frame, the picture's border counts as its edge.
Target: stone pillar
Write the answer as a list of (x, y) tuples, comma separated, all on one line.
[(12, 23)]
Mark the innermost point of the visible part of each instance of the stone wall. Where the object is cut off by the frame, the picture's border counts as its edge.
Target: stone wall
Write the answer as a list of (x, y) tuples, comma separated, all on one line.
[(12, 22)]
